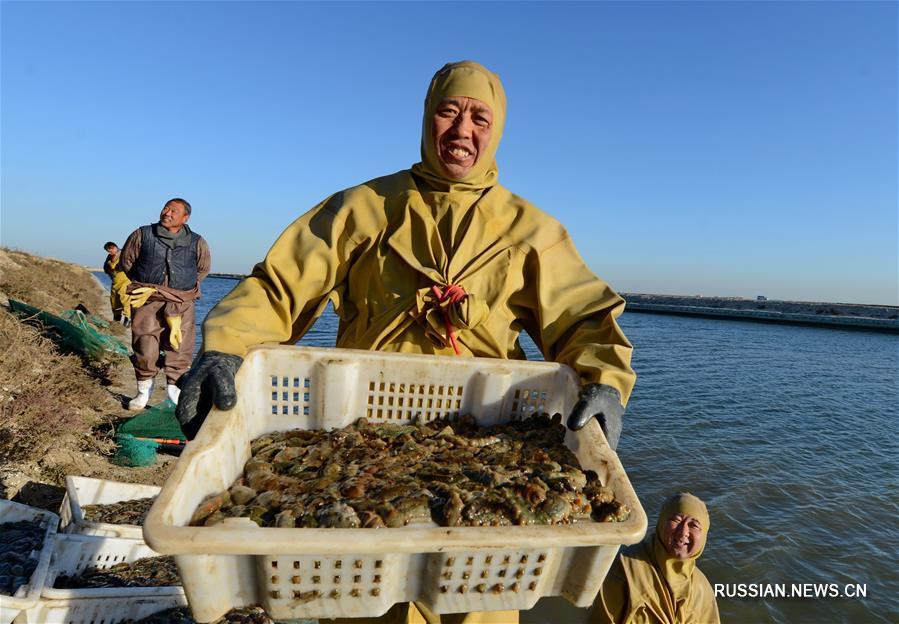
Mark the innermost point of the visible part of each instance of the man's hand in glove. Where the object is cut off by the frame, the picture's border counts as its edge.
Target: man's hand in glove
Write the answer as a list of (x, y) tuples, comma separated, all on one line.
[(209, 381), (174, 323), (603, 402), (139, 296)]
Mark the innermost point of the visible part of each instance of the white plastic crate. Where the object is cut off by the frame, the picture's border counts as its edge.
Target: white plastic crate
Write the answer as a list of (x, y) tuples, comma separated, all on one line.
[(103, 605), (301, 573), (82, 491), (27, 595)]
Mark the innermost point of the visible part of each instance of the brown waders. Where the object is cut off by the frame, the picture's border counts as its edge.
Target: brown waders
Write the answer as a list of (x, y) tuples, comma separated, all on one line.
[(149, 334)]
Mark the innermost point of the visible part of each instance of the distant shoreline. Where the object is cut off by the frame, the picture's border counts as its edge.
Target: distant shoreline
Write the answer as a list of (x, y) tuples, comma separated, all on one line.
[(820, 314), (234, 276)]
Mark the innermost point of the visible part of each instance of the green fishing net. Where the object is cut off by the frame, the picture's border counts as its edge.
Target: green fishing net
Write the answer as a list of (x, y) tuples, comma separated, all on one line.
[(158, 422), (74, 331), (134, 453), (78, 316)]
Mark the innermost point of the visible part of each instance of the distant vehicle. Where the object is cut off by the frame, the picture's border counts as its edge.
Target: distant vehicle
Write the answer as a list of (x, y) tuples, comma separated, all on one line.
[(761, 298)]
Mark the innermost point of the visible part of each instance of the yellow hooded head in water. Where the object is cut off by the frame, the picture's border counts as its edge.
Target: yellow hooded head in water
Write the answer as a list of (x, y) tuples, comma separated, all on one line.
[(657, 580)]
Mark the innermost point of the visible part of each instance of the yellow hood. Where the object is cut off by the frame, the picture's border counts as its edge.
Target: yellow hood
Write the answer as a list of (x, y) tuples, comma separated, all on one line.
[(462, 79)]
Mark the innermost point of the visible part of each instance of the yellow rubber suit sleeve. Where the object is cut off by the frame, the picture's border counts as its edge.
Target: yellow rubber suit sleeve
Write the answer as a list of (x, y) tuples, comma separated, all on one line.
[(704, 608), (120, 282), (287, 291), (119, 292), (575, 314), (174, 323), (610, 604)]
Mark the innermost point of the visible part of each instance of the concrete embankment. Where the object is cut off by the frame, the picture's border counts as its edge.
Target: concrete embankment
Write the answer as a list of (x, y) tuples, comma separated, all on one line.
[(234, 276), (836, 315)]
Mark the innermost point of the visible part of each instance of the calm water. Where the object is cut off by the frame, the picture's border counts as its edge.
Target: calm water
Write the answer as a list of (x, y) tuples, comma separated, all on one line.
[(790, 436)]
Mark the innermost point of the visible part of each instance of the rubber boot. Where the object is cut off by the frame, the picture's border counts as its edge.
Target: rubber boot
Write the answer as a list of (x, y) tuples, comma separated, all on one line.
[(173, 392), (144, 390)]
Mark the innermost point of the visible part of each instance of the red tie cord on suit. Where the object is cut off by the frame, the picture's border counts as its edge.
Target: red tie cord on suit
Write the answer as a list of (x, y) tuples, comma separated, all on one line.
[(453, 294)]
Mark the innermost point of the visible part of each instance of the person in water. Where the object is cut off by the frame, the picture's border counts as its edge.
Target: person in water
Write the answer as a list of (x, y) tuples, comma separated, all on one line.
[(657, 580)]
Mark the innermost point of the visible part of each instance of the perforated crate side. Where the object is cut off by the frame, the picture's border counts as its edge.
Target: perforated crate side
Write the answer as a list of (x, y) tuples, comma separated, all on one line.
[(322, 586), (489, 580), (328, 586), (73, 554), (406, 401), (316, 388), (100, 610)]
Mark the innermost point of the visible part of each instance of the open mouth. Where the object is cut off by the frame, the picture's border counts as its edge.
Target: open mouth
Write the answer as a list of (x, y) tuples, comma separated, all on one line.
[(680, 544), (457, 154)]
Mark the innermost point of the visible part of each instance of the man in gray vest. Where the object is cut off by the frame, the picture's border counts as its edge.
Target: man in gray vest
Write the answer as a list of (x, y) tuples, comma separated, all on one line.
[(166, 262)]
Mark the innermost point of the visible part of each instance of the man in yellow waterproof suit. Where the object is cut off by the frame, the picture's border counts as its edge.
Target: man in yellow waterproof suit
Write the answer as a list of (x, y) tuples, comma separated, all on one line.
[(657, 581), (438, 259), (119, 300)]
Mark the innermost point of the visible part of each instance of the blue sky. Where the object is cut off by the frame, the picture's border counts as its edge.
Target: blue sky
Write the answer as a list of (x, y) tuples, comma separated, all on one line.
[(715, 148)]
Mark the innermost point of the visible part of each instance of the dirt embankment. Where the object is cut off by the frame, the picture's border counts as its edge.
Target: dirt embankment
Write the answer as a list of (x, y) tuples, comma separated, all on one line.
[(57, 410)]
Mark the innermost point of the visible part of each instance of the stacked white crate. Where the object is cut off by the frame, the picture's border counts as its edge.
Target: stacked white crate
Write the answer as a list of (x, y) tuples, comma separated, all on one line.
[(83, 491), (73, 554), (26, 596), (89, 544)]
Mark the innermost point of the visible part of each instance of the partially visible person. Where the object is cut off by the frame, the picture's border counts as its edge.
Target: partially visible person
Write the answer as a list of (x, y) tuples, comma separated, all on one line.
[(166, 262), (112, 258), (657, 581), (118, 298)]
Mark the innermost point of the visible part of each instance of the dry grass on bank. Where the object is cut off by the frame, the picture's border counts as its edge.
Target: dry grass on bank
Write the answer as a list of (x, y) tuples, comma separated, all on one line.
[(43, 393), (46, 283), (57, 410), (52, 285)]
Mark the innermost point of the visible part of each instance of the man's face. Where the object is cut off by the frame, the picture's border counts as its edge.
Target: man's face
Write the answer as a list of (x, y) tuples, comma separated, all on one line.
[(173, 216), (112, 250), (462, 127), (682, 536)]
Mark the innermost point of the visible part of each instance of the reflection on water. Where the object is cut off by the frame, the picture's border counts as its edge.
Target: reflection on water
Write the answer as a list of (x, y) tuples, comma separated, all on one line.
[(788, 433)]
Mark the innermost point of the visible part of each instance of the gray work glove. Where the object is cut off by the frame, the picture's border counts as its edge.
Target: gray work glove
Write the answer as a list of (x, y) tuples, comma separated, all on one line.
[(603, 402), (209, 380)]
